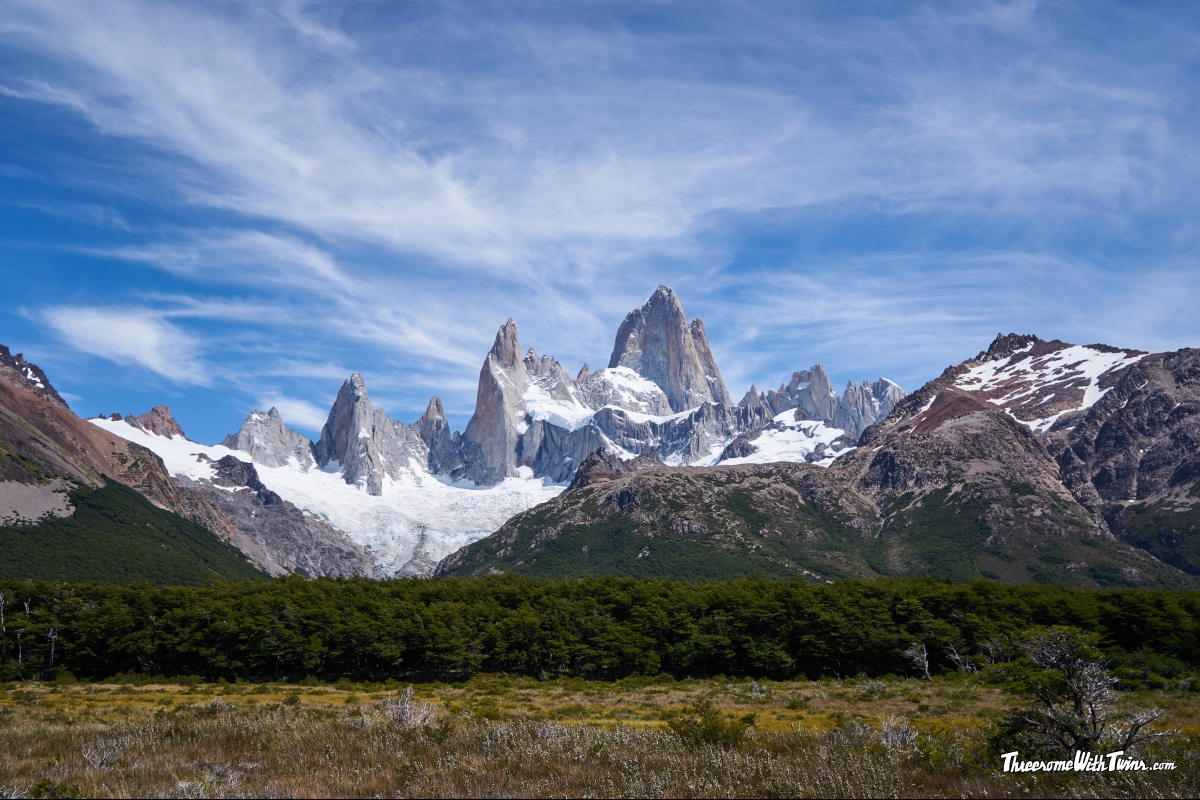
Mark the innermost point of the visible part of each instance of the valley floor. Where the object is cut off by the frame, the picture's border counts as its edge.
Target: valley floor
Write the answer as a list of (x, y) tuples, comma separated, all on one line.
[(503, 736)]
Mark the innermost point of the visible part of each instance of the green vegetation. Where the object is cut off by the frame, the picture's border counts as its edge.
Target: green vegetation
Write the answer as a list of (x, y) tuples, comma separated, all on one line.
[(601, 628), (682, 528), (939, 536), (1165, 531), (782, 521), (615, 548), (116, 535), (16, 467)]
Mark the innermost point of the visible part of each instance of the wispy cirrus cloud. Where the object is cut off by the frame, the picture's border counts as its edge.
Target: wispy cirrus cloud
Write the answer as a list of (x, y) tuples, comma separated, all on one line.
[(380, 186), (131, 336), (296, 413)]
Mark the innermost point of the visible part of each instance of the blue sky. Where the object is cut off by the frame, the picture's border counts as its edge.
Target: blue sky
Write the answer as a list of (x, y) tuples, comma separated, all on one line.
[(222, 206)]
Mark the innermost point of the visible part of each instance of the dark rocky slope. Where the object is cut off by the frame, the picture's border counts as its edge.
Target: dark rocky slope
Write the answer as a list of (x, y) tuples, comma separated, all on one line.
[(1034, 461)]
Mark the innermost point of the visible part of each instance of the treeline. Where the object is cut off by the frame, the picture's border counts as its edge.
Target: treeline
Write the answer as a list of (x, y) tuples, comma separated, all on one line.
[(602, 628)]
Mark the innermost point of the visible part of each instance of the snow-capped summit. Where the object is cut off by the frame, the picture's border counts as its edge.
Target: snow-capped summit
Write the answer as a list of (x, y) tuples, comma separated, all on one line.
[(269, 442), (410, 494), (364, 442), (1038, 382), (657, 342)]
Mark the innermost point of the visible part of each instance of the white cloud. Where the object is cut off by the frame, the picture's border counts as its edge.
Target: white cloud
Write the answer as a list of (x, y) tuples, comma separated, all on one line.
[(555, 156), (296, 413), (132, 337), (390, 191)]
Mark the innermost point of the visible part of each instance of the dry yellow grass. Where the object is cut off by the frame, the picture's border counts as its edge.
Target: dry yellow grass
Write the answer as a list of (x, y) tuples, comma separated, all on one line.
[(499, 736)]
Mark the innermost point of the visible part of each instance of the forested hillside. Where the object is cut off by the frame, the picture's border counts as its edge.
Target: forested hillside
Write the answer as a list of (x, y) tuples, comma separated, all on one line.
[(598, 628), (118, 536)]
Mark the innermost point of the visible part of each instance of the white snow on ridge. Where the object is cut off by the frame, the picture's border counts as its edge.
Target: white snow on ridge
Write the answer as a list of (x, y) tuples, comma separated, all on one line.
[(794, 442), (629, 382), (391, 525), (539, 405), (1030, 376), (33, 378)]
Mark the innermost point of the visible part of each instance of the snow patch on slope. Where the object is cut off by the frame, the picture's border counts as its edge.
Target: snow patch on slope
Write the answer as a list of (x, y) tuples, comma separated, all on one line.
[(789, 440), (540, 405), (1028, 383), (418, 515)]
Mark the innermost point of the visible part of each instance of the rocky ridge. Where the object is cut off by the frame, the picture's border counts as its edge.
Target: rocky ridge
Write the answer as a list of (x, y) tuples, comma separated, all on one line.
[(532, 427), (1034, 460), (279, 537), (19, 373), (662, 391), (42, 440)]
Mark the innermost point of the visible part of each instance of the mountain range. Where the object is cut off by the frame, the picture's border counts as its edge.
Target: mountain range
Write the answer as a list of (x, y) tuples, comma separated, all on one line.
[(393, 499), (1034, 460)]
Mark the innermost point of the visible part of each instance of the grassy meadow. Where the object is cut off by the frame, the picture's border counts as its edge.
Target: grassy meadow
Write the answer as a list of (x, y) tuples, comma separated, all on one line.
[(516, 736)]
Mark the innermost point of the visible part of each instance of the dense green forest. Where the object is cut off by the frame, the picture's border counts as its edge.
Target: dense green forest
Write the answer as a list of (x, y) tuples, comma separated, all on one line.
[(117, 535), (603, 628)]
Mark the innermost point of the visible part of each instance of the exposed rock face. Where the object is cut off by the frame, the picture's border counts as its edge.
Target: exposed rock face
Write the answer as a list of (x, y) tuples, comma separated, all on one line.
[(809, 390), (530, 414), (601, 466), (951, 482), (445, 457), (1134, 455), (158, 421), (271, 443), (1141, 440), (864, 404), (499, 420), (656, 341), (753, 400), (364, 441), (16, 371), (275, 534)]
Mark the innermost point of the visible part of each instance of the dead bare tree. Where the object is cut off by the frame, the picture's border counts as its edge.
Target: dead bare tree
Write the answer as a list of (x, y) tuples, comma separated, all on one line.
[(962, 662), (52, 637), (993, 651), (20, 655), (918, 654), (101, 753), (405, 712), (1073, 698)]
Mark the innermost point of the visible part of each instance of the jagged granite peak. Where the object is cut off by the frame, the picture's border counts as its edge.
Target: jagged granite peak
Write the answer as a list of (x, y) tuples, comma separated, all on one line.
[(507, 347), (364, 441), (864, 404), (444, 455), (753, 399), (158, 421), (584, 372), (490, 440), (810, 390), (270, 442), (18, 372), (656, 341), (549, 376)]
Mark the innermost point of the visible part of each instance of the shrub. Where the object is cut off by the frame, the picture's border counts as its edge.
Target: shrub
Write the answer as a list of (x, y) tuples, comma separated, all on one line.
[(705, 724)]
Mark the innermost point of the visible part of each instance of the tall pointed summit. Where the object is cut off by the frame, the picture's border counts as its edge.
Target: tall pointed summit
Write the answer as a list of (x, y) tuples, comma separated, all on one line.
[(656, 341), (499, 419)]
